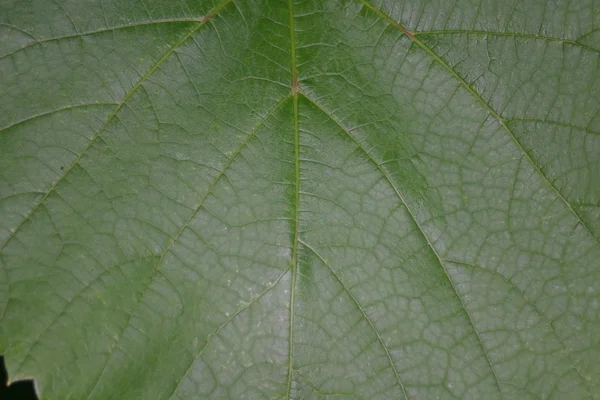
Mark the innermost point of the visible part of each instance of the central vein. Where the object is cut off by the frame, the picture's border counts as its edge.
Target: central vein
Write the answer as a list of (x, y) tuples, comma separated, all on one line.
[(294, 259)]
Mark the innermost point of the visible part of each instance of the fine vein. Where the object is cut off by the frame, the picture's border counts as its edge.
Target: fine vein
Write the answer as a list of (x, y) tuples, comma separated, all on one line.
[(126, 97), (107, 29), (223, 325), (171, 242), (516, 289), (507, 34), (365, 316), (479, 99), (414, 219), (55, 111), (294, 259)]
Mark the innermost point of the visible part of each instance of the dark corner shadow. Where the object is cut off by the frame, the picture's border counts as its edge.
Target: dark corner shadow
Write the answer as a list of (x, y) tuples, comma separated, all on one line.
[(19, 390)]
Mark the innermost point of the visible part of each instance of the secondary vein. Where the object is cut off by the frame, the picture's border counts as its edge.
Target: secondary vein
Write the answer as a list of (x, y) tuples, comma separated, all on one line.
[(363, 312), (413, 217), (294, 258), (484, 104), (125, 98), (173, 239)]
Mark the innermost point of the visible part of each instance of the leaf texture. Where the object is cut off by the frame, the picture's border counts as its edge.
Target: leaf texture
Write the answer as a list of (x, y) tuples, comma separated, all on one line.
[(304, 199)]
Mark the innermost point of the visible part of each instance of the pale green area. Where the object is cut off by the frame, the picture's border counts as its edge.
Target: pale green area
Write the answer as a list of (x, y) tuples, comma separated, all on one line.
[(418, 217)]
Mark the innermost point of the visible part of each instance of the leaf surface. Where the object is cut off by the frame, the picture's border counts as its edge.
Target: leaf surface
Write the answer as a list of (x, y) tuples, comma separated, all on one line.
[(307, 199)]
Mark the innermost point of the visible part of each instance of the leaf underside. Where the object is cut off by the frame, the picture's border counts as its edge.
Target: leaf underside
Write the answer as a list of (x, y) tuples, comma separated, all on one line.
[(317, 199)]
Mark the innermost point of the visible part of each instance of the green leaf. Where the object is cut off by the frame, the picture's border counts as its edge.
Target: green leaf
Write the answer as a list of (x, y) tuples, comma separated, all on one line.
[(313, 199)]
